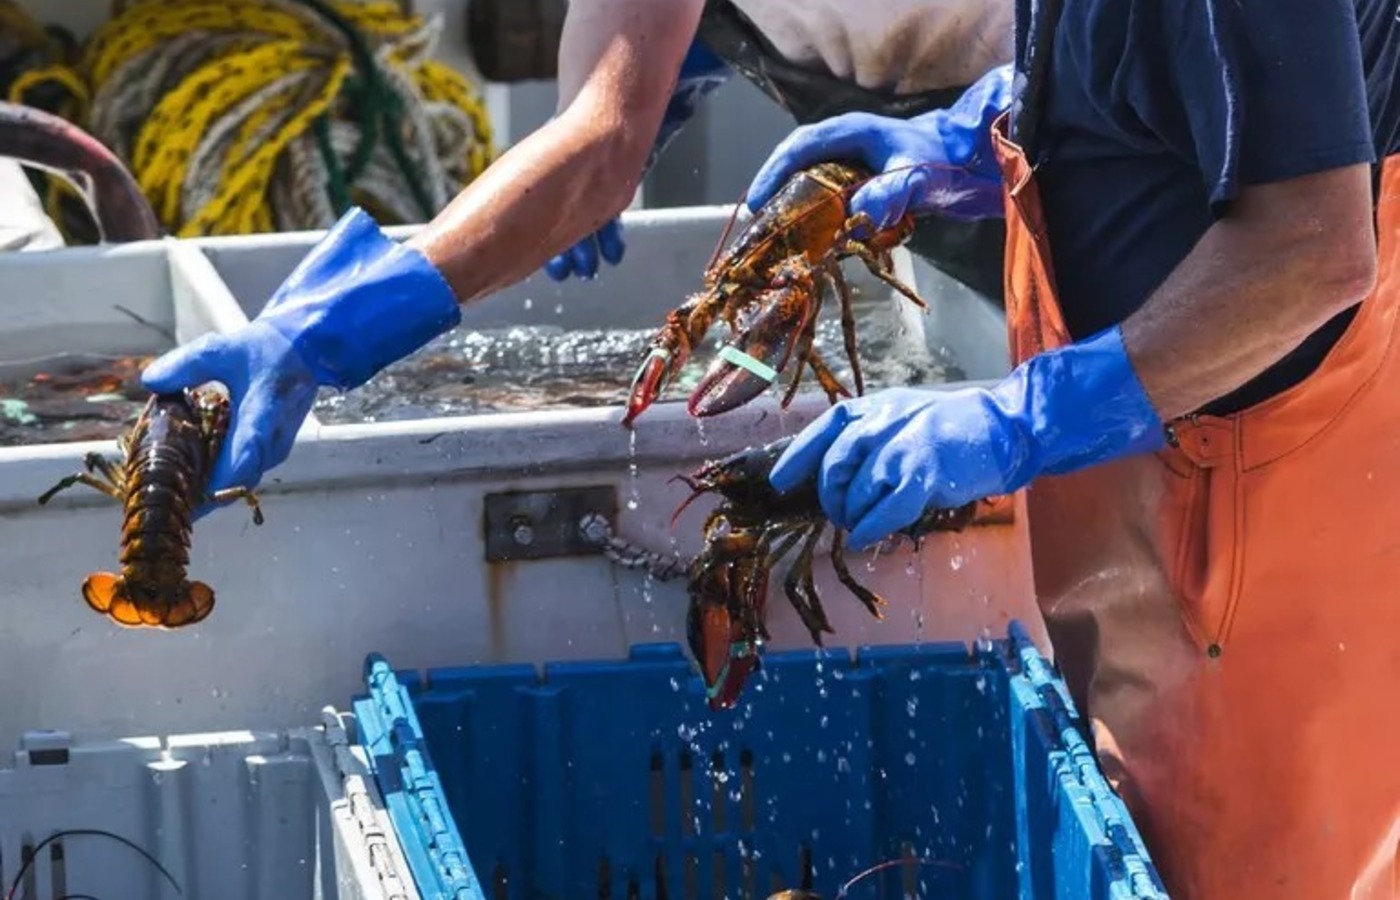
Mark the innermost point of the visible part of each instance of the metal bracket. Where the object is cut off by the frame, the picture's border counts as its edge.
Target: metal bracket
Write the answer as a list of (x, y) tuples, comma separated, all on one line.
[(545, 524)]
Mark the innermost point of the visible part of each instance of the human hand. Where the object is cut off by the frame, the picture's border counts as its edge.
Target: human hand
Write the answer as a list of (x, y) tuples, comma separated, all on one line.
[(940, 162), (582, 258), (270, 389), (356, 303), (882, 460)]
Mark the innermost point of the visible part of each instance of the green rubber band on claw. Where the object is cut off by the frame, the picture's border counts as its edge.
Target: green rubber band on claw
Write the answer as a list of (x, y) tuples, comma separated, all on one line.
[(744, 361), (656, 353)]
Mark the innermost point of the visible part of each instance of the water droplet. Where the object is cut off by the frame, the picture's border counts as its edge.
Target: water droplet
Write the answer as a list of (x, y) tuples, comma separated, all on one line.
[(631, 503), (956, 562), (909, 758), (558, 309), (529, 303)]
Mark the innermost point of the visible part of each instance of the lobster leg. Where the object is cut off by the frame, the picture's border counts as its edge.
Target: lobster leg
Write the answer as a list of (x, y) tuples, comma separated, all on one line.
[(803, 353), (878, 262), (101, 465), (881, 270), (91, 481), (789, 540), (802, 593), (828, 380), (757, 582), (809, 584), (872, 600), (240, 493), (848, 325)]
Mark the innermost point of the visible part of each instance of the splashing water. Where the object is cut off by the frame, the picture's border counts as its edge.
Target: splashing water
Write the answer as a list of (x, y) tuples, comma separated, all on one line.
[(634, 492), (528, 368)]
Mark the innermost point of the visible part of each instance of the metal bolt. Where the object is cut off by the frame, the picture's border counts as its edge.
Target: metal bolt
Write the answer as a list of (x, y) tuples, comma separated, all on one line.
[(524, 532), (594, 528)]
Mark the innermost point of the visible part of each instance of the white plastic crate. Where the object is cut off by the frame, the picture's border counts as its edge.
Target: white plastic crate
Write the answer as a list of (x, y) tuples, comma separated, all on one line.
[(237, 815)]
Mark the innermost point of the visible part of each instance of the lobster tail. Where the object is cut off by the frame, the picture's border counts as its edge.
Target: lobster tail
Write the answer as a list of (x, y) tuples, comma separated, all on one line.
[(174, 606)]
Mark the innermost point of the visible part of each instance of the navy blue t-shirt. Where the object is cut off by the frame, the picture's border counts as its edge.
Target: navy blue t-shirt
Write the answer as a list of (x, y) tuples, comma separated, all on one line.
[(1156, 112)]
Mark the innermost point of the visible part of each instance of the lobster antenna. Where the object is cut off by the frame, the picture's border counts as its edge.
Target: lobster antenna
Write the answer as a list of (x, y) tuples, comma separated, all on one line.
[(696, 494), (890, 863), (724, 235)]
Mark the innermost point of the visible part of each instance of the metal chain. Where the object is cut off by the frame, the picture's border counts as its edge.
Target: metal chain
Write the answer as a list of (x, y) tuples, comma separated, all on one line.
[(596, 529)]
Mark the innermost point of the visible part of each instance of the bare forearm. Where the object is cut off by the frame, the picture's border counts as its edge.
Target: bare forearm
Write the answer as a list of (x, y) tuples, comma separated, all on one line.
[(1252, 289), (550, 190), (618, 61)]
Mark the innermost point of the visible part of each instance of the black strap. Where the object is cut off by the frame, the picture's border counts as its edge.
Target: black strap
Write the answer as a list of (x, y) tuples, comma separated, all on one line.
[(808, 95), (1037, 48)]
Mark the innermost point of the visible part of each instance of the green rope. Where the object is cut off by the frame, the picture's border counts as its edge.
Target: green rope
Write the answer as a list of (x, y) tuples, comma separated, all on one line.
[(336, 185), (378, 113)]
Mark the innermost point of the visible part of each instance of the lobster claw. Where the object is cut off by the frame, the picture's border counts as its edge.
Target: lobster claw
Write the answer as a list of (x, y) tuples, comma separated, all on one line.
[(724, 645), (667, 355), (651, 378), (748, 366)]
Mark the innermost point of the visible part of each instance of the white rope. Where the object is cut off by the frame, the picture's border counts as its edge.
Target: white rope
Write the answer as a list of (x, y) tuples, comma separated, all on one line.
[(619, 552)]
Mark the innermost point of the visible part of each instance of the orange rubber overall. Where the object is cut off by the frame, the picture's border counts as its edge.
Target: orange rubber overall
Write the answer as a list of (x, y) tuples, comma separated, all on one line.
[(1227, 611)]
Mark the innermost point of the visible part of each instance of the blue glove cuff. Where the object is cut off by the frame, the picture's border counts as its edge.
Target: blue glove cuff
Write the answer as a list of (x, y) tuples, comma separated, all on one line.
[(702, 73), (360, 301), (1077, 406)]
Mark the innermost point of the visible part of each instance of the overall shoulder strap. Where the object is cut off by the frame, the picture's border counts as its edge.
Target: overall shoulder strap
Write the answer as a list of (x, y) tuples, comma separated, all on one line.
[(1037, 21)]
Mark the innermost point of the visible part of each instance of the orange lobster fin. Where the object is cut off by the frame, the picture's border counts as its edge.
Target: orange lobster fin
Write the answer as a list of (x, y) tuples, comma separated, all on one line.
[(109, 594)]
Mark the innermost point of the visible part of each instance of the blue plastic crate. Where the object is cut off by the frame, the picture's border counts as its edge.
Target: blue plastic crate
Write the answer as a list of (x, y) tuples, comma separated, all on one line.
[(613, 779)]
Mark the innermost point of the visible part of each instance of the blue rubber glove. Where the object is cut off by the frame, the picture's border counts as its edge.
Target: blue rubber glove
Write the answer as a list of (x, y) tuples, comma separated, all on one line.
[(356, 303), (582, 258), (940, 162), (701, 74), (883, 459)]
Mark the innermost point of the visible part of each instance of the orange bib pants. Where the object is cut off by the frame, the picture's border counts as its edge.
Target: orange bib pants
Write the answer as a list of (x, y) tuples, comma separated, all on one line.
[(1227, 611)]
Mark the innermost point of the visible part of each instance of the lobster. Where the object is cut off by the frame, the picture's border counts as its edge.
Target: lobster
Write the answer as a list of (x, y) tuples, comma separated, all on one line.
[(167, 457), (749, 531), (767, 286)]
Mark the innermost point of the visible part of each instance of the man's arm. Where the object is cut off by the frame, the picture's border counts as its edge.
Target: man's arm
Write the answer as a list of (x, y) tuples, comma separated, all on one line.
[(1288, 257), (618, 62)]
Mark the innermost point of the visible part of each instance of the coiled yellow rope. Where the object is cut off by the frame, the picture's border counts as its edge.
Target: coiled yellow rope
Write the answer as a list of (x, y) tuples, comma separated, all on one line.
[(241, 116)]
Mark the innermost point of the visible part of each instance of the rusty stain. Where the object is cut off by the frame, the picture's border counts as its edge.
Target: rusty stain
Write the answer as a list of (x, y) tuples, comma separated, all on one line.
[(499, 576)]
